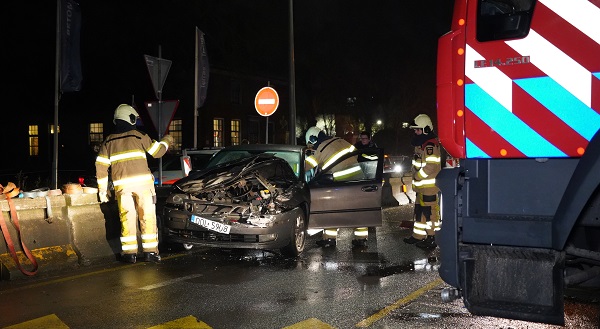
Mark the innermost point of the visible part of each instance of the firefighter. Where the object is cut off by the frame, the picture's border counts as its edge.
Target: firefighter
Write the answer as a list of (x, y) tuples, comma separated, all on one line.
[(426, 165), (124, 152), (326, 150)]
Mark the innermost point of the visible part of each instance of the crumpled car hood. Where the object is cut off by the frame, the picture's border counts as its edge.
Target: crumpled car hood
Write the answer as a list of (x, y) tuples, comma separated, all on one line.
[(260, 182)]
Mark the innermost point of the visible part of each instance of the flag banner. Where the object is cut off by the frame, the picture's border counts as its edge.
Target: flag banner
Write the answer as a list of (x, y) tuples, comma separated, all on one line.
[(202, 68), (70, 33)]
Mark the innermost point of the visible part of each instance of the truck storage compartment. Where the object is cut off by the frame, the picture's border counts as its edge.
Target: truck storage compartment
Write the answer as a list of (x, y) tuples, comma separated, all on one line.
[(511, 282)]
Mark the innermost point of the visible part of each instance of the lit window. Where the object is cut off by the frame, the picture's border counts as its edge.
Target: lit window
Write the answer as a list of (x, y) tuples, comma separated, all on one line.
[(218, 132), (33, 140), (96, 133), (235, 132), (176, 132)]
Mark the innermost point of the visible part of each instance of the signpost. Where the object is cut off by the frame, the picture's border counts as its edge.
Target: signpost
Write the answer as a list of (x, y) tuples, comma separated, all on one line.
[(266, 103), (158, 68)]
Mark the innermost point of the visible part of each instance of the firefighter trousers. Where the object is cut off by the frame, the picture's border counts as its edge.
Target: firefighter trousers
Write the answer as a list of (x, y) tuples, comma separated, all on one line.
[(137, 205), (427, 216)]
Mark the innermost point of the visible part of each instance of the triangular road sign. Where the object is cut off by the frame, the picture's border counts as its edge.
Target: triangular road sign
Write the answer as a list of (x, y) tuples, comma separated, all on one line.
[(158, 69), (165, 114)]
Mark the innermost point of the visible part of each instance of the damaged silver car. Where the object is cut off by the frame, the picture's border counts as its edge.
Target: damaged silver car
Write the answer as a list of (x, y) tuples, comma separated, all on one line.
[(241, 201), (260, 196)]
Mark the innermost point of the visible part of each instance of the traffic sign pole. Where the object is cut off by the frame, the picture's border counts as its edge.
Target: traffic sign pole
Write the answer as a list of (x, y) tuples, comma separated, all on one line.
[(266, 103)]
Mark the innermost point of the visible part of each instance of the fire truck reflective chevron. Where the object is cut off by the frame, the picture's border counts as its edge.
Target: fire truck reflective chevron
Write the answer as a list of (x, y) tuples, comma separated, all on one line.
[(536, 96)]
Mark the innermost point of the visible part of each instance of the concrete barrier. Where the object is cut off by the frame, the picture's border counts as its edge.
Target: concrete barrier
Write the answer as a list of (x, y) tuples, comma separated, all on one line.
[(62, 232)]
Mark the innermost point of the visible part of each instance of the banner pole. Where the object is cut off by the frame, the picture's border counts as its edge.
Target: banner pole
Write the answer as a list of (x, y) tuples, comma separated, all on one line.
[(54, 183)]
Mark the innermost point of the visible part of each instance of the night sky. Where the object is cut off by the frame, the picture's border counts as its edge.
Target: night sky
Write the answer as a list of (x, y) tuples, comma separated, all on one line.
[(382, 52)]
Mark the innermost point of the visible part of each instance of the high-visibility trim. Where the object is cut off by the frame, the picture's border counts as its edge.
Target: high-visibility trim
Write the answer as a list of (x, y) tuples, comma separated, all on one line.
[(346, 172), (155, 147), (418, 164), (580, 13), (129, 238), (338, 155), (422, 173), (433, 159), (134, 180), (360, 233), (579, 116), (331, 232), (569, 74), (149, 245), (424, 182), (420, 225), (497, 84), (511, 128), (418, 231), (313, 162), (149, 236), (103, 183), (128, 247), (133, 155), (103, 160), (370, 157)]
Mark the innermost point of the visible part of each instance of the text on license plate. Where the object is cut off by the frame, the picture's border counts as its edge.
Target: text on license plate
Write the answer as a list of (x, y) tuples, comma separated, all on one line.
[(211, 224)]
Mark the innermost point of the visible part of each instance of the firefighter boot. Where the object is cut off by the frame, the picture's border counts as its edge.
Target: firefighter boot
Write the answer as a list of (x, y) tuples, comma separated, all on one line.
[(428, 243), (359, 243), (128, 258), (326, 243), (411, 240), (151, 257)]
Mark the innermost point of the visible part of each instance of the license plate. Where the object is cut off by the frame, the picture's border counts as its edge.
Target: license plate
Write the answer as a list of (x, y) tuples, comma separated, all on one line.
[(211, 224)]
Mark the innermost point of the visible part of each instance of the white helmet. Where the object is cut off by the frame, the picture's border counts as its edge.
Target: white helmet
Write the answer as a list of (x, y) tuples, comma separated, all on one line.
[(126, 113), (312, 134), (422, 121)]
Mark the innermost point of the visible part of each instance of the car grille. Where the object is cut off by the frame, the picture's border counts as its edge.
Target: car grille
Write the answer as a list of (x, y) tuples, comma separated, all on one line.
[(211, 236)]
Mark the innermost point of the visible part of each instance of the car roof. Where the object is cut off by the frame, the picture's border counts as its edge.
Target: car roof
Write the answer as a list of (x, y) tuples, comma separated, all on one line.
[(202, 151), (267, 147)]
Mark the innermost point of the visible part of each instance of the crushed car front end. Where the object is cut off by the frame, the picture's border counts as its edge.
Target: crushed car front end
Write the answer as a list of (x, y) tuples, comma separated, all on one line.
[(253, 203)]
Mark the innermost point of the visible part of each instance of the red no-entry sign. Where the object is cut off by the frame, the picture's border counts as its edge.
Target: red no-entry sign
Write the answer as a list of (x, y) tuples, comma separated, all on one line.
[(266, 101)]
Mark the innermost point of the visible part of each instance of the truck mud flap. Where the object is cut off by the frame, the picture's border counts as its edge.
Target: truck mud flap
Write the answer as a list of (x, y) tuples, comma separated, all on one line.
[(515, 283)]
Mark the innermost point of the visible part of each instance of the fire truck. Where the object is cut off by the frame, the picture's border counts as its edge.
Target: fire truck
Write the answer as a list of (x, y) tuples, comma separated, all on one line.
[(518, 93)]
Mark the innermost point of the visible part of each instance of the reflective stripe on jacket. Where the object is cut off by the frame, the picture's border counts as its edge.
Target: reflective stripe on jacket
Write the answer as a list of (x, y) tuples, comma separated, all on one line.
[(125, 154), (427, 163), (331, 150)]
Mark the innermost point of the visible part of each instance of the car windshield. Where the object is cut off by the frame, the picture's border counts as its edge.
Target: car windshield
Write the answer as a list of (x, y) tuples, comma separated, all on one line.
[(224, 156)]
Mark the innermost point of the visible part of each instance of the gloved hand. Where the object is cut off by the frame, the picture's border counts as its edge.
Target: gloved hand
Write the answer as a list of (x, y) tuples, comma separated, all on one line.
[(168, 139), (103, 196)]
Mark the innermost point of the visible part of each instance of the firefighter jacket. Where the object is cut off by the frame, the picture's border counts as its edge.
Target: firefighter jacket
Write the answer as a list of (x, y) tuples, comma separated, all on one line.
[(125, 154), (426, 164), (329, 151)]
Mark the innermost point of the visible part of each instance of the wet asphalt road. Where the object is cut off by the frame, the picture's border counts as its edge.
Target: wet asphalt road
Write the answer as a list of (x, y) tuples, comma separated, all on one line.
[(387, 285), (390, 285)]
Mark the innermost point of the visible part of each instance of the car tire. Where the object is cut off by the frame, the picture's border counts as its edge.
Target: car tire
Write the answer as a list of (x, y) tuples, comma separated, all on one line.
[(297, 237)]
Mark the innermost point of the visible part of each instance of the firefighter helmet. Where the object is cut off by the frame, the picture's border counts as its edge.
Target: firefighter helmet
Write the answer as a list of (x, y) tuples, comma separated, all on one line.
[(126, 113), (422, 121), (312, 134)]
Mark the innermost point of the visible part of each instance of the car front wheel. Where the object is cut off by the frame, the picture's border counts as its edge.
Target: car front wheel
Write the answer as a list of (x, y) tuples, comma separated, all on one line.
[(297, 237)]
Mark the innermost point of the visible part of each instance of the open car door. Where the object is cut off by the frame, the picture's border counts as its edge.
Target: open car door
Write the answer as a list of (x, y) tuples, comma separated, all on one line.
[(340, 201)]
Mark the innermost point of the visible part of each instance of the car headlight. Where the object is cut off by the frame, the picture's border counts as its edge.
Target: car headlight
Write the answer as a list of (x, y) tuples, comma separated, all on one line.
[(176, 199), (397, 168)]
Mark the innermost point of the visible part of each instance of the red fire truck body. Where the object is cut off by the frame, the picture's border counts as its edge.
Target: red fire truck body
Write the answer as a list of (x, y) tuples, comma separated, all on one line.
[(519, 104)]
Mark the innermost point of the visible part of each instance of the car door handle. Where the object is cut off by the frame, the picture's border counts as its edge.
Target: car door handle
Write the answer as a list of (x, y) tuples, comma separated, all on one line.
[(370, 188)]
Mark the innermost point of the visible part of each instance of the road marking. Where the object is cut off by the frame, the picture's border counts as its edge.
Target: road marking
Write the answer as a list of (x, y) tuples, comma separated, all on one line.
[(311, 323), (188, 322), (168, 282), (401, 302), (79, 276), (48, 321)]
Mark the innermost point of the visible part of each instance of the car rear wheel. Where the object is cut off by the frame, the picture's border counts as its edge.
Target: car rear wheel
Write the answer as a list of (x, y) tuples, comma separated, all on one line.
[(297, 238)]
